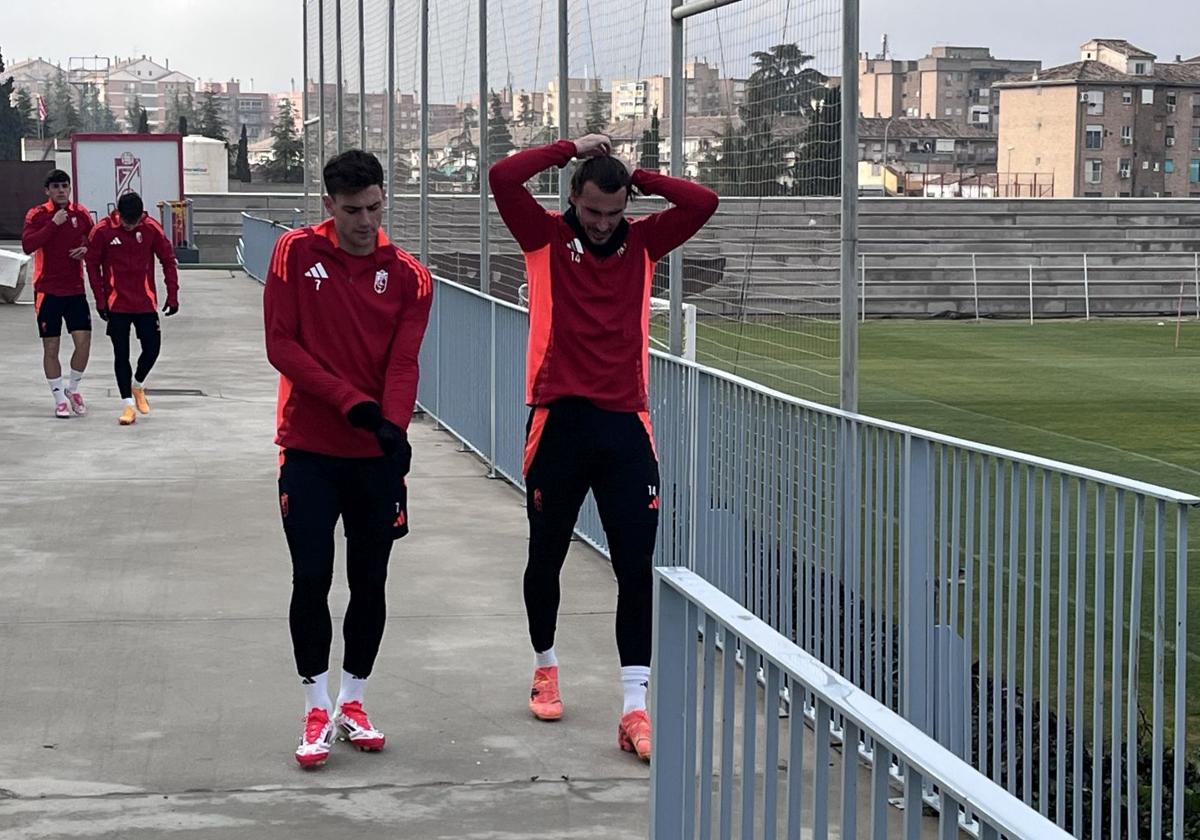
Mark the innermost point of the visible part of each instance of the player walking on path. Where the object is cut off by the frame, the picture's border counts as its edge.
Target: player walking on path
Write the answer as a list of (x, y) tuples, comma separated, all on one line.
[(590, 271), (56, 234), (345, 314), (120, 260)]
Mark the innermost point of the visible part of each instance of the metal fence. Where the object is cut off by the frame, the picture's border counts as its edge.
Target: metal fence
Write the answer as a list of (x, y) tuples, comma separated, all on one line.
[(729, 753), (1030, 614), (256, 244)]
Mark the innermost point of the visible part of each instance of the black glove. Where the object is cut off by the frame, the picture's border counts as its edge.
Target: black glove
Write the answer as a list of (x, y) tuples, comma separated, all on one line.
[(394, 442), (365, 415), (103, 313), (170, 309)]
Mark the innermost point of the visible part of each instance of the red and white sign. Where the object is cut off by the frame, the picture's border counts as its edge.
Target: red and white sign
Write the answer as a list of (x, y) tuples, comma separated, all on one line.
[(127, 172)]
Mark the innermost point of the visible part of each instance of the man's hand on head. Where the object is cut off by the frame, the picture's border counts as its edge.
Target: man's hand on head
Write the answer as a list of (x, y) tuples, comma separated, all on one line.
[(593, 145)]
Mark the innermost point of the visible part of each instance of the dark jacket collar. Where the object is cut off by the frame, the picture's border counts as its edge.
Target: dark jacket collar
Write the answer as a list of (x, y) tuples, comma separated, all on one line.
[(610, 247)]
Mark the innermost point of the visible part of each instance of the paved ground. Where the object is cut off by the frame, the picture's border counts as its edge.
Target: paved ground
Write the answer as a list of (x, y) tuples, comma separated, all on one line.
[(146, 679)]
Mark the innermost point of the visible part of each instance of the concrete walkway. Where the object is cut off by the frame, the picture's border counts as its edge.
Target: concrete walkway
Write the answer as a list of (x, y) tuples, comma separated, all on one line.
[(146, 681)]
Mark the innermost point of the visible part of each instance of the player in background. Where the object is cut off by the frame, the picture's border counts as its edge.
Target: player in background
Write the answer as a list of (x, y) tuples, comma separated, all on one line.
[(590, 271), (56, 234), (120, 261)]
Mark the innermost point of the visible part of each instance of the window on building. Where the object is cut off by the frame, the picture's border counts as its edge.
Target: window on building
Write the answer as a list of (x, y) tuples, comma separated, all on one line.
[(1095, 102), (958, 77), (1172, 101), (1168, 166), (1196, 137), (1126, 168), (1095, 169), (1170, 135), (1126, 97), (1139, 68), (1094, 137), (949, 112), (1126, 135), (1147, 96), (1194, 172)]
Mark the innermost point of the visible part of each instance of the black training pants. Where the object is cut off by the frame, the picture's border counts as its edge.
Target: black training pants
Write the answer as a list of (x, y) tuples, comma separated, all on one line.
[(370, 497), (572, 447), (149, 334)]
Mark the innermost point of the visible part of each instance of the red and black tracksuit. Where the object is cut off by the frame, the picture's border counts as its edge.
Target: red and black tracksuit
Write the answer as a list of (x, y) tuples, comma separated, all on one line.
[(57, 276), (120, 267), (587, 378), (342, 330)]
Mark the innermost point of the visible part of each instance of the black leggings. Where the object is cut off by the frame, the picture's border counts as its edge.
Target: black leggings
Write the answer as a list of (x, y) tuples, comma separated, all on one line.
[(573, 447), (369, 496), (149, 334)]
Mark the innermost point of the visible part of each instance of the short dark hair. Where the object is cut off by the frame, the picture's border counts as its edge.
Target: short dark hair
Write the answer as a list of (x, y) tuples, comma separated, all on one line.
[(130, 208), (606, 172), (352, 171), (57, 176)]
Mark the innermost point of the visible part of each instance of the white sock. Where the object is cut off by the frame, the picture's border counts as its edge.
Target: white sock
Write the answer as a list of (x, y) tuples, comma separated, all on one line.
[(316, 692), (56, 388), (141, 386), (634, 679), (128, 401), (352, 689), (545, 659), (73, 383)]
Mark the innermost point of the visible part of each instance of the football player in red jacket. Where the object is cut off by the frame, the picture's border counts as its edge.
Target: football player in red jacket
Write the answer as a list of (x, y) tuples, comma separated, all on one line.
[(56, 234), (120, 260), (590, 271), (345, 313)]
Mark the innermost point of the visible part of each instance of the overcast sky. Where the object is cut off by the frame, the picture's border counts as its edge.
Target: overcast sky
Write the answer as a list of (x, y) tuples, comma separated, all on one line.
[(260, 40)]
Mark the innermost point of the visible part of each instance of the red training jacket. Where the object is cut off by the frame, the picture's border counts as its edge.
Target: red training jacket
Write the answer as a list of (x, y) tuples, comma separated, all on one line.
[(342, 329), (589, 316), (54, 271), (121, 265)]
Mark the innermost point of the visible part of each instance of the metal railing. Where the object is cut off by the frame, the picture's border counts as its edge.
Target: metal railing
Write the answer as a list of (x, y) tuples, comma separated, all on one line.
[(729, 754), (1006, 604), (256, 244)]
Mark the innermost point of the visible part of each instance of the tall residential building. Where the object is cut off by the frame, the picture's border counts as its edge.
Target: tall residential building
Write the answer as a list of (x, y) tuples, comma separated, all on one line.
[(1118, 122), (34, 75), (150, 83), (707, 94), (581, 93), (951, 83)]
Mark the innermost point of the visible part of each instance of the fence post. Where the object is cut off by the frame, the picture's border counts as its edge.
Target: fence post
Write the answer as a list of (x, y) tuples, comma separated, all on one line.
[(975, 284), (1087, 302), (1031, 295), (864, 288), (340, 70), (668, 775), (320, 86), (391, 118), (675, 260), (915, 581), (493, 361), (564, 109), (423, 200), (303, 106), (362, 80), (485, 268), (1196, 275), (849, 218)]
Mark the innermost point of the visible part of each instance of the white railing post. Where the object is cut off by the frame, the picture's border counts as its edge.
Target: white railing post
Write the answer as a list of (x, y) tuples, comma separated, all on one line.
[(670, 646), (1087, 303), (916, 581), (1031, 295), (975, 284)]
